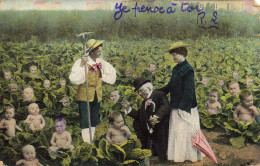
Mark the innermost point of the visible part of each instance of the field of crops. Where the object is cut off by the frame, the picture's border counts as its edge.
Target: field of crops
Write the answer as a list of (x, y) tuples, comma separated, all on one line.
[(182, 24), (211, 57), (47, 41)]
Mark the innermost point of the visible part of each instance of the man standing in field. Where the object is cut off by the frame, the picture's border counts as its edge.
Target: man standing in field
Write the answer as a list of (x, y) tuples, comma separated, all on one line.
[(93, 69)]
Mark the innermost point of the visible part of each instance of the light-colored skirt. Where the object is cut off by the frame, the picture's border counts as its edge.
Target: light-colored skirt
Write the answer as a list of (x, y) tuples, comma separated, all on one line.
[(180, 148)]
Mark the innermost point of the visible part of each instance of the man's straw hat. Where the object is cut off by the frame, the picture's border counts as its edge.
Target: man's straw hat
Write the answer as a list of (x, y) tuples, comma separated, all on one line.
[(92, 44)]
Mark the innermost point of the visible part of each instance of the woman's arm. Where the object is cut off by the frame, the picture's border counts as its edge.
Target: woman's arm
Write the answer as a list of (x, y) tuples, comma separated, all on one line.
[(189, 90), (165, 89)]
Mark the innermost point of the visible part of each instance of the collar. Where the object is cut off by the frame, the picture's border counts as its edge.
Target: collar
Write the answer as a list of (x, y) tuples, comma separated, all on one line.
[(182, 63), (91, 62), (149, 95)]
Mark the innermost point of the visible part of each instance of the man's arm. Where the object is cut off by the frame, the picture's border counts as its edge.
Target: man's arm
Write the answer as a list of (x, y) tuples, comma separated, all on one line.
[(108, 72), (164, 107), (77, 75)]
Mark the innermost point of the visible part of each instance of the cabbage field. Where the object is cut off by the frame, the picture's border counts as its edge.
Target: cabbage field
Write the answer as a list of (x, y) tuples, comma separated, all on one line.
[(48, 41)]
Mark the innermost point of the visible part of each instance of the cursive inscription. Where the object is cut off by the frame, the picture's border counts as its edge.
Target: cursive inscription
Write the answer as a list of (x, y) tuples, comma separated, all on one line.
[(120, 9)]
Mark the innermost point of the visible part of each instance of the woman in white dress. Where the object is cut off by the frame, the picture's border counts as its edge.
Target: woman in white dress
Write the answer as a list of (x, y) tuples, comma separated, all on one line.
[(184, 118)]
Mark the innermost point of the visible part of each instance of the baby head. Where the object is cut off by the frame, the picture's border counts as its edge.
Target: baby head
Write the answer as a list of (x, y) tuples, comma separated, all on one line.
[(235, 75), (205, 81), (62, 82), (213, 96), (46, 84), (128, 73), (60, 125), (33, 109), (7, 75), (65, 101), (233, 88), (114, 95), (9, 112), (249, 81), (29, 152), (13, 87), (28, 93), (33, 69), (116, 119), (152, 67), (221, 82), (246, 98)]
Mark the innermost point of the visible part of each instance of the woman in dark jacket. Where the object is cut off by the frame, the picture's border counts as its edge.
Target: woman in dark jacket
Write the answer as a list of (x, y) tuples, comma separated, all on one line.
[(184, 119)]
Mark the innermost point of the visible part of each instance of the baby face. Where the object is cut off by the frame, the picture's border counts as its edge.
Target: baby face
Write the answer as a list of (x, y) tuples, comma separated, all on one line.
[(34, 109), (66, 103), (29, 154), (213, 97), (7, 75), (221, 83), (13, 88), (152, 67), (248, 101), (62, 83), (234, 89), (118, 122), (28, 94), (249, 82), (235, 75), (204, 81), (33, 70), (9, 113), (60, 127), (114, 96), (46, 84), (129, 73)]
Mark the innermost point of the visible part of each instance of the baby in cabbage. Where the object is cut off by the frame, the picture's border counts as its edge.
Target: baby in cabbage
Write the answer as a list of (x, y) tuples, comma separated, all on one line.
[(8, 124), (118, 133), (246, 111)]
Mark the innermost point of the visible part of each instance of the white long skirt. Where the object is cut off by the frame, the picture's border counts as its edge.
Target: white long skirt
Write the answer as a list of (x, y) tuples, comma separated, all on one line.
[(180, 148)]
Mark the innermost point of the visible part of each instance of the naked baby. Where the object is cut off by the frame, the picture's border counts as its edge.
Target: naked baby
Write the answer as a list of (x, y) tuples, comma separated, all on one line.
[(118, 133), (61, 139), (9, 123), (29, 157), (212, 105), (34, 119), (246, 111)]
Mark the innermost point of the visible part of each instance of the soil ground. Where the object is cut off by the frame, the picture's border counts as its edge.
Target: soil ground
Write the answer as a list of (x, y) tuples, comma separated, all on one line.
[(226, 154)]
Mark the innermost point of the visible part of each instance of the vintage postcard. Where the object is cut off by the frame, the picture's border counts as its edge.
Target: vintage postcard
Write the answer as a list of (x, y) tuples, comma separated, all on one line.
[(129, 82)]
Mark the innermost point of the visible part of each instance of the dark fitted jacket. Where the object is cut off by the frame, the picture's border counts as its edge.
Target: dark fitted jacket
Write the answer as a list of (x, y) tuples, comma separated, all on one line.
[(182, 87), (160, 130)]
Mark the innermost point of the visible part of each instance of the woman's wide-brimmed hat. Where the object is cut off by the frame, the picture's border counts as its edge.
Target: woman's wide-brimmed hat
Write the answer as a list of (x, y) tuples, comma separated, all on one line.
[(176, 45), (139, 81), (92, 44)]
